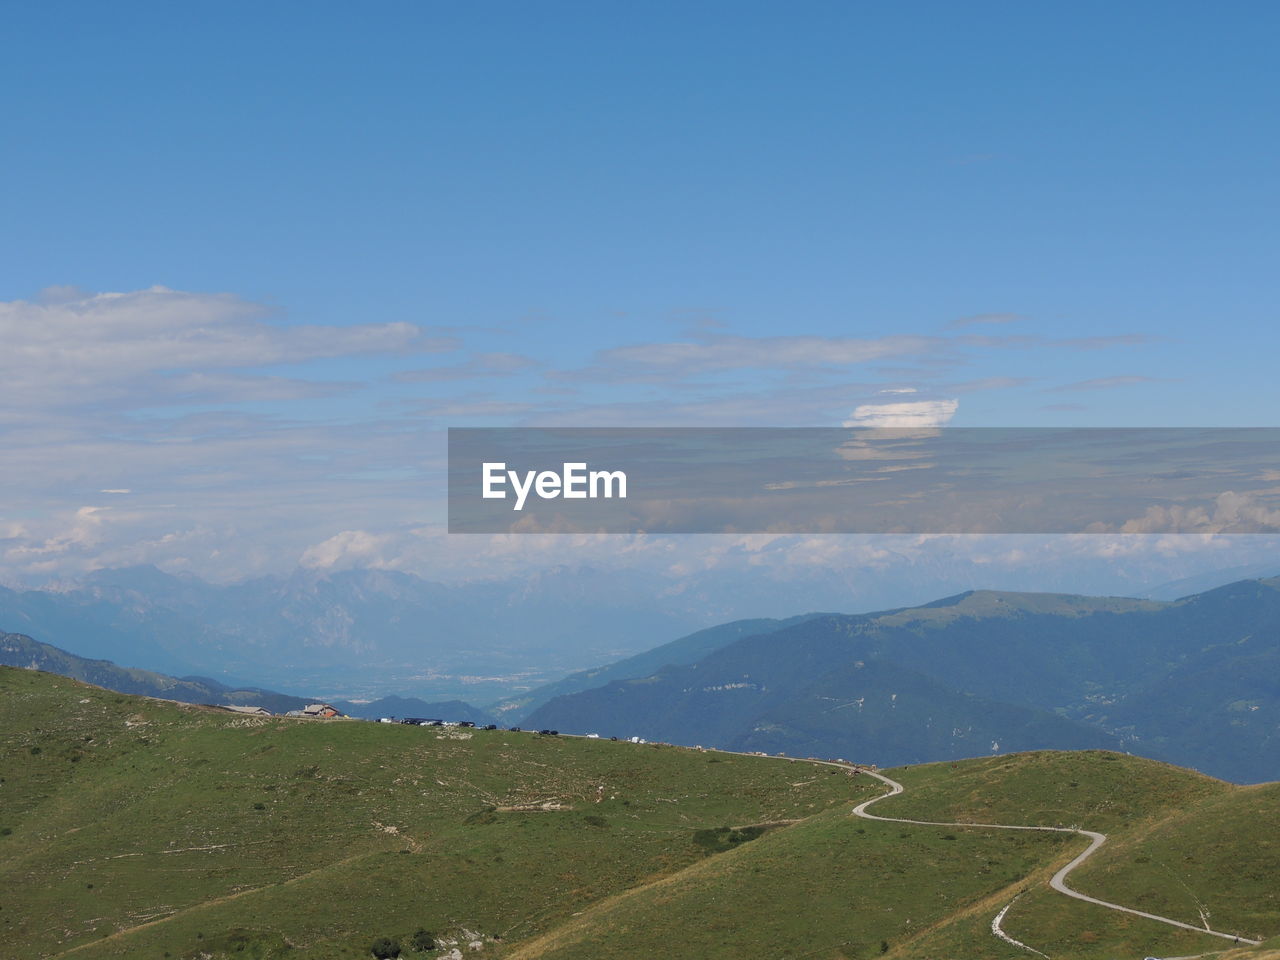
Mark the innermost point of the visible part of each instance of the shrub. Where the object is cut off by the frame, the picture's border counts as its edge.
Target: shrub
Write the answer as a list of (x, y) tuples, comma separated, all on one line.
[(719, 839), (384, 948), (423, 940), (483, 815)]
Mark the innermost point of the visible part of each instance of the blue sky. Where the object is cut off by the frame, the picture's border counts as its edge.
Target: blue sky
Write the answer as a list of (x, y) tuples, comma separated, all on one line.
[(375, 221)]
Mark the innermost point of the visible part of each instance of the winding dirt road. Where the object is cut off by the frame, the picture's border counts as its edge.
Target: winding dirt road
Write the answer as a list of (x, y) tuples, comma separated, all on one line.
[(1059, 881)]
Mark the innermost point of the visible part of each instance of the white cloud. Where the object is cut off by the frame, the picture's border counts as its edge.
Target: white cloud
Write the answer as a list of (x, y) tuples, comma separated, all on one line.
[(481, 365), (747, 353), (464, 408), (205, 387), (1229, 512), (1070, 343), (346, 549), (910, 414), (228, 494), (150, 345), (82, 530), (708, 353)]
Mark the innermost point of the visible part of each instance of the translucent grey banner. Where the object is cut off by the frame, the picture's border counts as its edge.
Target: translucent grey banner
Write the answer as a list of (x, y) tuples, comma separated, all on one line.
[(854, 480)]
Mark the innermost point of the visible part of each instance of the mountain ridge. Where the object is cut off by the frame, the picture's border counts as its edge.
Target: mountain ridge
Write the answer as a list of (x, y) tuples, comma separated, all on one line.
[(19, 650), (1107, 664)]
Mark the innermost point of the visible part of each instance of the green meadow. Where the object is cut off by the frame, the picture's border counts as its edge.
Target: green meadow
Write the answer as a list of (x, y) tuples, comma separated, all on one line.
[(143, 828)]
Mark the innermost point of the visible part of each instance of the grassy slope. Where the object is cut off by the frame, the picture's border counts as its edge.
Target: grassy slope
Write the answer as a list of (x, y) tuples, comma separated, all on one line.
[(835, 888), (134, 826), (1149, 810), (1267, 951), (1099, 790), (829, 887), (159, 814), (1175, 867)]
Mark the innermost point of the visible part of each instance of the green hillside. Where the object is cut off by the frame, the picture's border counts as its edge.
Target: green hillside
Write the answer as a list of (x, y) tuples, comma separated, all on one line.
[(143, 828), (1191, 849), (1174, 836), (833, 887), (1179, 843), (136, 827), (19, 650)]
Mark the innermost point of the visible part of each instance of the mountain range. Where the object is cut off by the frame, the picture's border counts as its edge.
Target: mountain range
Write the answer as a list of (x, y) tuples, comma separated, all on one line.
[(18, 650), (354, 633), (365, 633), (1194, 681)]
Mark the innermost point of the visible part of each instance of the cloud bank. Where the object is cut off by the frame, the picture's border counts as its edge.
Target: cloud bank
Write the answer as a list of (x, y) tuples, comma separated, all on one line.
[(206, 432)]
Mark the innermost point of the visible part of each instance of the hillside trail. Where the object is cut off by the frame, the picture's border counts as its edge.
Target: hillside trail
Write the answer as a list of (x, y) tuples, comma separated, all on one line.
[(1059, 880)]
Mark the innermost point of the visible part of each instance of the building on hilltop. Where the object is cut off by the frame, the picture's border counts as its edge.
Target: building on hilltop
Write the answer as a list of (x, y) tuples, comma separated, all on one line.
[(315, 711)]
